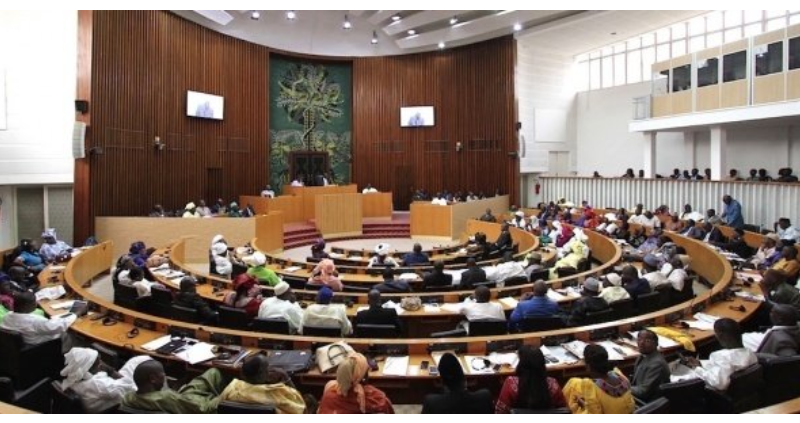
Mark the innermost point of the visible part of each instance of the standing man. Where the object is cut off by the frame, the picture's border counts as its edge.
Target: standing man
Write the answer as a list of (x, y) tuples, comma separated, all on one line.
[(732, 212)]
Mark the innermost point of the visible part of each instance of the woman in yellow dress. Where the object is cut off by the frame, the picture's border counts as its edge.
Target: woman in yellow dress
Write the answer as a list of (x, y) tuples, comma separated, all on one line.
[(605, 391)]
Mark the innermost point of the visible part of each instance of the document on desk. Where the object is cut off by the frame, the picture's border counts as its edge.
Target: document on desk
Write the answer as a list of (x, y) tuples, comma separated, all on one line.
[(663, 341), (452, 308), (408, 277), (396, 366), (555, 296), (509, 302), (437, 356), (52, 293), (750, 297), (57, 269), (157, 343), (197, 353), (756, 277), (504, 359), (429, 308), (557, 355), (291, 269), (575, 348), (615, 351), (62, 305)]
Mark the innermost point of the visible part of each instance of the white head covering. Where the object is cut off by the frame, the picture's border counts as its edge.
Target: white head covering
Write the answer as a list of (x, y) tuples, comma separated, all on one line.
[(217, 239), (556, 224), (49, 233), (614, 279), (579, 235), (78, 362), (190, 206), (382, 249), (259, 259), (219, 248), (520, 213), (281, 288)]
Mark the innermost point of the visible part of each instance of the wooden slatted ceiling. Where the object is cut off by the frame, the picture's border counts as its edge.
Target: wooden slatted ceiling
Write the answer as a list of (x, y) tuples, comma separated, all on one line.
[(143, 62)]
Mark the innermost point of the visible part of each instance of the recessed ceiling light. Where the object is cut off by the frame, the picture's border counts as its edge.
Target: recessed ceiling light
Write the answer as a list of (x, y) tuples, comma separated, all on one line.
[(346, 24), (613, 33), (517, 27), (396, 18), (454, 20), (441, 44), (255, 15), (291, 15), (411, 32)]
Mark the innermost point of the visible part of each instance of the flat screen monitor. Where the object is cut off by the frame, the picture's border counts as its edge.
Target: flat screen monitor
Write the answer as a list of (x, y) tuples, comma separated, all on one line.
[(206, 106), (416, 116)]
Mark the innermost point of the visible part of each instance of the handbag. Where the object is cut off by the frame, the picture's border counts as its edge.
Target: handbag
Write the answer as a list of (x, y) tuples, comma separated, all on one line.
[(411, 303), (330, 356), (291, 361)]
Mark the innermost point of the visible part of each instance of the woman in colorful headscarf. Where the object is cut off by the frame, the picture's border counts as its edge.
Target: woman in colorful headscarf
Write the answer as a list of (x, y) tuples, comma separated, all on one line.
[(98, 386), (246, 295), (348, 395), (325, 274)]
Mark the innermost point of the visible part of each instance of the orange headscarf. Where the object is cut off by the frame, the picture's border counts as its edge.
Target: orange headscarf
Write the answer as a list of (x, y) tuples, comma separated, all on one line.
[(348, 378)]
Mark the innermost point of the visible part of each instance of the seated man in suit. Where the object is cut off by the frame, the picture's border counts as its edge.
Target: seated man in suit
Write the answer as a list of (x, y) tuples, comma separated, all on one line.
[(589, 302), (504, 241), (323, 313), (189, 298), (474, 274), (777, 291), (377, 314), (416, 258), (456, 399), (651, 370), (390, 284), (783, 339), (261, 385), (437, 278), (199, 396), (535, 305)]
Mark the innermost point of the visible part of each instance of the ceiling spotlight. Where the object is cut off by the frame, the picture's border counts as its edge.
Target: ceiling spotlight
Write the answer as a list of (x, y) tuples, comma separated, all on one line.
[(374, 38), (411, 32), (396, 18), (290, 15), (517, 27), (441, 44), (255, 15), (346, 24), (454, 20)]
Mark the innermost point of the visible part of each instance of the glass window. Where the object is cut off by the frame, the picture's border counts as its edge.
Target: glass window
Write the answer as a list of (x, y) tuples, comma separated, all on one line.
[(775, 13), (794, 53), (753, 16), (678, 48), (733, 18), (648, 58), (662, 52), (714, 21), (594, 74), (581, 76), (634, 43), (681, 78), (662, 35), (660, 83), (707, 72), (769, 58), (634, 66), (697, 25), (733, 35), (678, 31), (794, 19), (753, 29), (619, 69), (648, 39), (774, 24), (607, 51), (608, 72), (714, 39), (697, 43), (619, 48), (595, 54), (734, 66)]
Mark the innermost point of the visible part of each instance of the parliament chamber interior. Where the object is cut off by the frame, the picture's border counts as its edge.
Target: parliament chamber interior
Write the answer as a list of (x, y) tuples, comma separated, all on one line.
[(400, 212)]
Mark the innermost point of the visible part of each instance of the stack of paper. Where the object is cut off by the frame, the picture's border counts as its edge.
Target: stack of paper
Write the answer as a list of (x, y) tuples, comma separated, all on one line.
[(509, 302), (554, 296), (408, 277), (750, 297), (197, 353), (396, 366), (452, 308), (575, 348), (62, 305), (663, 341), (157, 343), (504, 359), (431, 308), (291, 269), (616, 352), (557, 355), (52, 293)]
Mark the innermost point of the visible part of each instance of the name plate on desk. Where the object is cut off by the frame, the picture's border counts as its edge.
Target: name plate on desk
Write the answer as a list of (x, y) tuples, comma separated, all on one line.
[(177, 331), (457, 347), (605, 333), (144, 324), (503, 346), (554, 341), (224, 339)]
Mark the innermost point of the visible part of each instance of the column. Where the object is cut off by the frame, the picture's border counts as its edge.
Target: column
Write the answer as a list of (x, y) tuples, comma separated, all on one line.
[(649, 154), (689, 151), (719, 152)]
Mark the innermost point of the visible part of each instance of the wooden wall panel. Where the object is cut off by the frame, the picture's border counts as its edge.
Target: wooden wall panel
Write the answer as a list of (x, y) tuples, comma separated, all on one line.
[(430, 221), (472, 91), (143, 64), (338, 215), (377, 204), (82, 203)]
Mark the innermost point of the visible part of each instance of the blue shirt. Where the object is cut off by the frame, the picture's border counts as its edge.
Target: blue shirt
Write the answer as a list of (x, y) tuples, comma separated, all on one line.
[(733, 214), (534, 307), (638, 287), (412, 259), (32, 260)]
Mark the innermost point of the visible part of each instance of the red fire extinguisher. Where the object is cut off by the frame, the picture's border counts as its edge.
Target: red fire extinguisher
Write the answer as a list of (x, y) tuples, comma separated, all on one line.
[(537, 188)]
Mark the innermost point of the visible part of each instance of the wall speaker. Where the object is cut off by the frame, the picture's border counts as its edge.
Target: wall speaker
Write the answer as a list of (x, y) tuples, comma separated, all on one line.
[(81, 106)]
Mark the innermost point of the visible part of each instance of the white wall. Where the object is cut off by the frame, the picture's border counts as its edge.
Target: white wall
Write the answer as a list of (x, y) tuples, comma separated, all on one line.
[(546, 102), (39, 56)]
